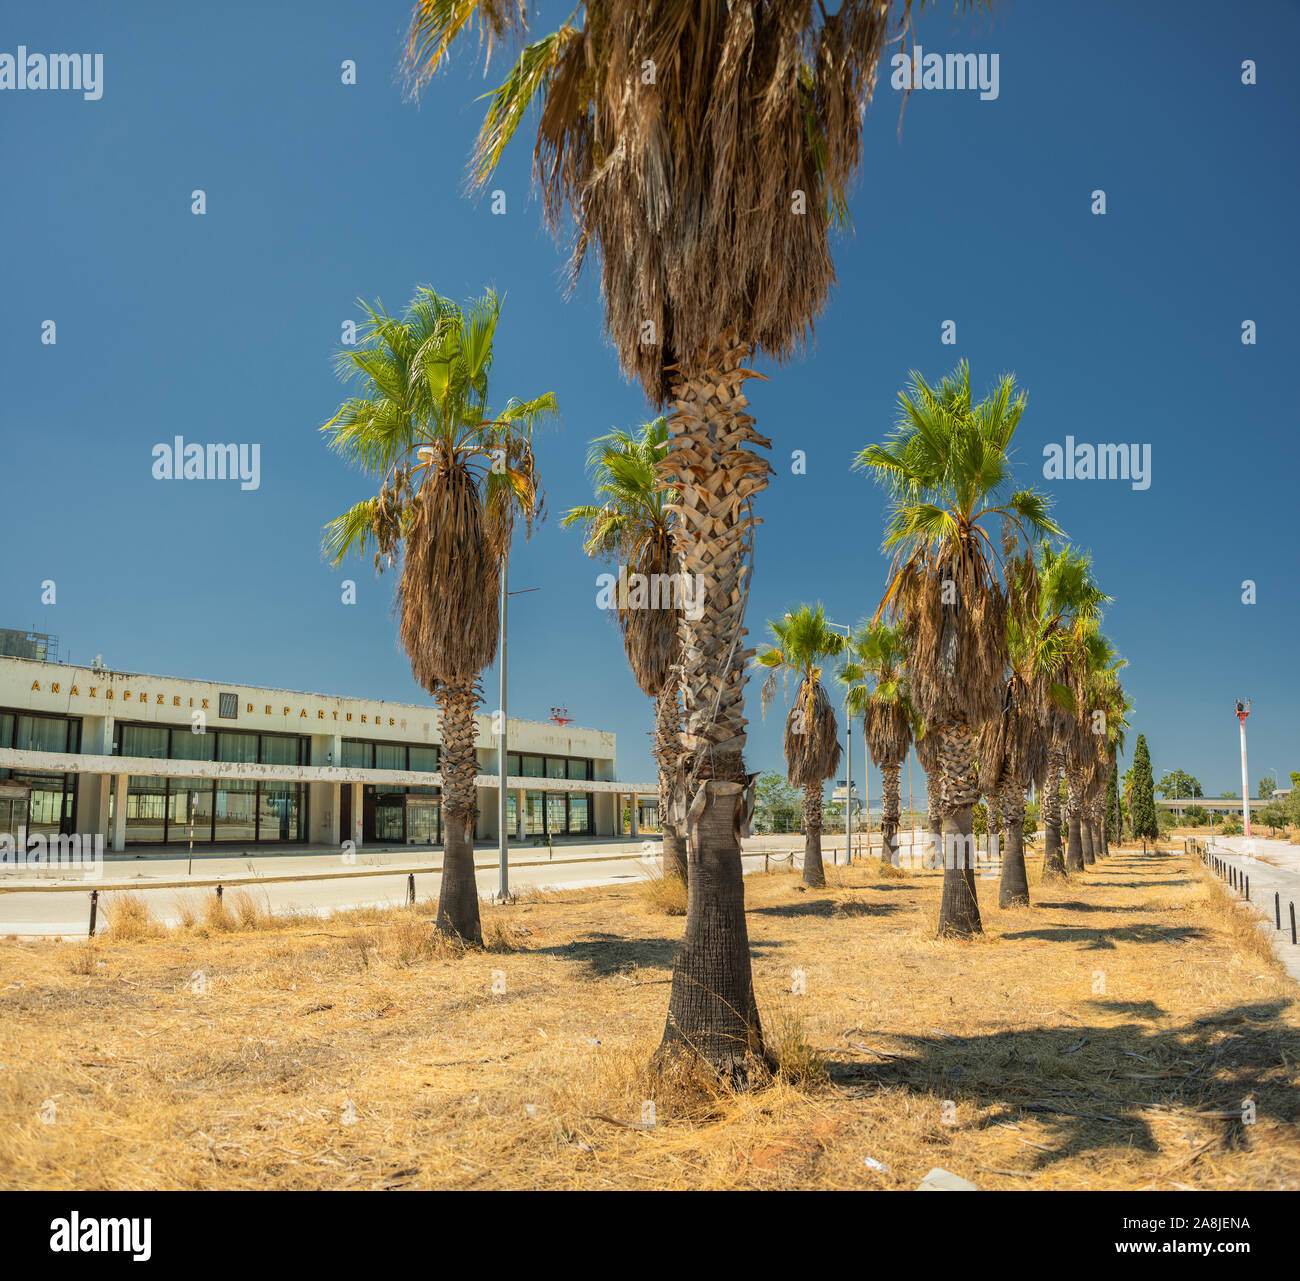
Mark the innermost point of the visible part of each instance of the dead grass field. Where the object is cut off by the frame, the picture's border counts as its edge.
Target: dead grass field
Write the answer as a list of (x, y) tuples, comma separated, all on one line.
[(1105, 1038)]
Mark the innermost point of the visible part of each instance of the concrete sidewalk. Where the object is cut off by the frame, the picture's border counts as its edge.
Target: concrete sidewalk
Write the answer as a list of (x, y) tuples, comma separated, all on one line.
[(268, 864)]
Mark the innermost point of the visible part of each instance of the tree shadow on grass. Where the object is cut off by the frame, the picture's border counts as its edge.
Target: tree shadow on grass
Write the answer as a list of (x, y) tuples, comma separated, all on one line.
[(604, 955), (1104, 939), (1074, 905), (1091, 1084), (823, 907)]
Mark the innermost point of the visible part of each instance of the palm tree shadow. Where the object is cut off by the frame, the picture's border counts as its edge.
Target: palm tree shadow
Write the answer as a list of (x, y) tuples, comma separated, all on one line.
[(823, 907), (605, 955), (1103, 939), (1092, 1083)]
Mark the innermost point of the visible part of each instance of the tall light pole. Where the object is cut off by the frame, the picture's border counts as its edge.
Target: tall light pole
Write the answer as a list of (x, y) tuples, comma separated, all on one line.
[(1243, 710), (503, 836), (848, 768)]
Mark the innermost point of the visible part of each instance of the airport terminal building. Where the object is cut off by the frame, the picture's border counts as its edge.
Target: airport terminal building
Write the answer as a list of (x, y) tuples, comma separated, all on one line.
[(159, 761)]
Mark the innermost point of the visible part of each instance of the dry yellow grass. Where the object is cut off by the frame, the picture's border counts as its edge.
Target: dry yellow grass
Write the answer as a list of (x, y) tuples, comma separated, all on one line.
[(1108, 1036)]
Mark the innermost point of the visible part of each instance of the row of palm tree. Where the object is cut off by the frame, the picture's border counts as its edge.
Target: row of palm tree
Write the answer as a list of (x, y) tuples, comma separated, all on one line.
[(703, 150), (986, 652)]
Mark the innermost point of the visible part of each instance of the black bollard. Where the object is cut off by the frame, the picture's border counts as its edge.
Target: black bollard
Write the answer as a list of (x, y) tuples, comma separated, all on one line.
[(94, 911), (1277, 908), (410, 889)]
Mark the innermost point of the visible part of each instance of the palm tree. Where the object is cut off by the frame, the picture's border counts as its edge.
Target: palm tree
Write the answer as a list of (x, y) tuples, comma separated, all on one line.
[(1097, 665), (804, 643), (947, 471), (703, 150), (1068, 604), (876, 676), (1108, 708), (632, 527), (454, 477), (1013, 752)]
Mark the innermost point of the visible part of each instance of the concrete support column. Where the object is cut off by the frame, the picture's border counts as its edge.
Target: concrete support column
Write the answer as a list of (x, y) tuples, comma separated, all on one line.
[(357, 817), (118, 841)]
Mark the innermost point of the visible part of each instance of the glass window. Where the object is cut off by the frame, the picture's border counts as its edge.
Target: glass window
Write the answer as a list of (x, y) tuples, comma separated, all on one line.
[(236, 805), (532, 767), (358, 755), (390, 813), (533, 822), (235, 747), (557, 809), (555, 767), (278, 750), (580, 769), (143, 740), (6, 729), (390, 756), (41, 734), (424, 758), (421, 822), (278, 812), (146, 809), (50, 801), (512, 816), (189, 746), (578, 812), (512, 764), (189, 809)]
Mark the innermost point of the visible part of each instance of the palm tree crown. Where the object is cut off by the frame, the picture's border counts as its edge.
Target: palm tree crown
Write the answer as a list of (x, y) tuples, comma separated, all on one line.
[(454, 475), (704, 149), (632, 526), (947, 471)]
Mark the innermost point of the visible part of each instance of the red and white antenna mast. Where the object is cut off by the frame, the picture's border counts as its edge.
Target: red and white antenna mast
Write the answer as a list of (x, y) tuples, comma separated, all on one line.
[(1243, 710)]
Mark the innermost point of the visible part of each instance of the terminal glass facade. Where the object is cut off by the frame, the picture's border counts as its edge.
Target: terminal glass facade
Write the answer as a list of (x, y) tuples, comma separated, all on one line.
[(174, 811), (53, 799), (546, 813)]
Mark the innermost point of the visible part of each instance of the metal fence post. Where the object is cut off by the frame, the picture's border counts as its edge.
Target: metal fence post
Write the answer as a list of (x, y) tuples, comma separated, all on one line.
[(1277, 908), (1292, 920)]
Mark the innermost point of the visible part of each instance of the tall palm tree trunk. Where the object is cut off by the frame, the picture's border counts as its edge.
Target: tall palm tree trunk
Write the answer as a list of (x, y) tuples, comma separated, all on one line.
[(1073, 802), (993, 824), (1053, 858), (1013, 886), (458, 895), (934, 814), (667, 750), (1086, 838), (891, 786), (959, 912), (712, 1014), (814, 874), (1099, 824)]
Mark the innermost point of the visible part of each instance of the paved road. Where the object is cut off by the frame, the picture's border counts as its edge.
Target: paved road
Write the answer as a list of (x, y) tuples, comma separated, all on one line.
[(66, 913)]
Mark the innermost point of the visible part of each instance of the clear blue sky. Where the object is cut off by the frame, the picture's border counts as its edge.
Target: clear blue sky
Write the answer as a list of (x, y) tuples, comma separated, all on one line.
[(1123, 328)]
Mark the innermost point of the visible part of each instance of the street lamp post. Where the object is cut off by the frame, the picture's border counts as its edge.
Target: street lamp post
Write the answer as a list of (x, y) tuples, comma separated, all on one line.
[(848, 768), (503, 836)]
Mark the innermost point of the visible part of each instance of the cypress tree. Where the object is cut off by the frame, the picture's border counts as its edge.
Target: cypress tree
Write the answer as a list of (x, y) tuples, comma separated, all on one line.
[(1143, 816), (1112, 795)]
